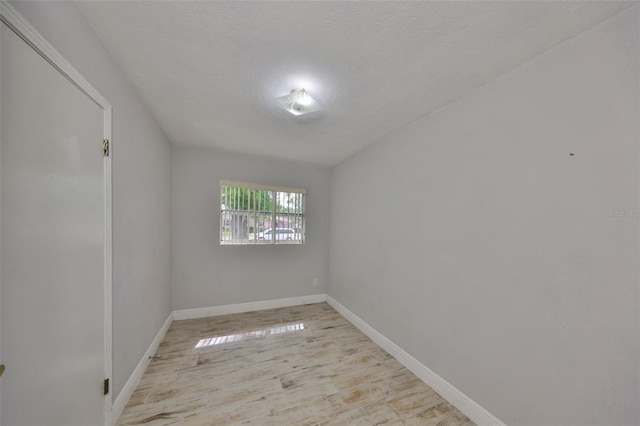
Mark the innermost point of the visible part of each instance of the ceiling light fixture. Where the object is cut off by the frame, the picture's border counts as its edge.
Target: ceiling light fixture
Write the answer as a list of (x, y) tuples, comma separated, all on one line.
[(298, 102)]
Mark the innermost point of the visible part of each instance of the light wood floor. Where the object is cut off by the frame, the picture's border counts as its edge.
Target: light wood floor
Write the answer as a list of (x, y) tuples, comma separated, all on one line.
[(303, 365)]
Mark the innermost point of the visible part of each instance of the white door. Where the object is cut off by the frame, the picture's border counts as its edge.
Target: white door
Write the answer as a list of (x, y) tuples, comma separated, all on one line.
[(52, 244)]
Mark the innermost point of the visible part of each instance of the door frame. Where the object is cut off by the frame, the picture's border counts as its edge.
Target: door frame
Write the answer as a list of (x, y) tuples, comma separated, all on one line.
[(33, 38)]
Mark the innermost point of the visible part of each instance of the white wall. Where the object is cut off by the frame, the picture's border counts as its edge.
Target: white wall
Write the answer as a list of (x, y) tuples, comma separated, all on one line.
[(474, 240), (207, 274), (141, 187)]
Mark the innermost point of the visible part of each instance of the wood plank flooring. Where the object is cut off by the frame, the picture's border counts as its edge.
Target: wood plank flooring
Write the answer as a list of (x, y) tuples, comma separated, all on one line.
[(302, 365)]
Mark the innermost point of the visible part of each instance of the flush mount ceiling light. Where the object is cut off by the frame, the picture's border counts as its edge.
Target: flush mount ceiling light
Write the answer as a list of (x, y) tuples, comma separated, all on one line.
[(298, 102)]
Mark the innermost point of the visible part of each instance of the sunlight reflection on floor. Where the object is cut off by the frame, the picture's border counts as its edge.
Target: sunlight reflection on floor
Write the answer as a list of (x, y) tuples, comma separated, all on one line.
[(212, 341)]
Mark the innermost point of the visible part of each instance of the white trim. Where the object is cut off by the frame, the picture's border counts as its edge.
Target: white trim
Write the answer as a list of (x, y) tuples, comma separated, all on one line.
[(260, 186), (108, 267), (213, 311), (33, 38), (136, 375), (449, 392)]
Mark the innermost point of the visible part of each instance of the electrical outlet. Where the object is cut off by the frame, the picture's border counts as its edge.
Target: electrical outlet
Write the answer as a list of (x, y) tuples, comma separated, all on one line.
[(315, 281)]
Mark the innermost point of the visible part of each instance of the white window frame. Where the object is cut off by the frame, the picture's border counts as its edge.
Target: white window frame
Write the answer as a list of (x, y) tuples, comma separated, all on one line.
[(258, 219)]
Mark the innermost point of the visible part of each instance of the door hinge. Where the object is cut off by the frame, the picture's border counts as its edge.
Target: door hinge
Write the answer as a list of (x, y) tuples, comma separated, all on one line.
[(105, 147), (106, 386)]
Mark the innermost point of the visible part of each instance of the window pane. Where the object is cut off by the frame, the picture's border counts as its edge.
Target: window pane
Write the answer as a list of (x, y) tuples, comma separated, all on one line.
[(259, 216)]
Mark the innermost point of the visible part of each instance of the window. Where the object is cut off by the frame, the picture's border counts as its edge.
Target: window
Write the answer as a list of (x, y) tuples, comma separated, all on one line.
[(260, 214)]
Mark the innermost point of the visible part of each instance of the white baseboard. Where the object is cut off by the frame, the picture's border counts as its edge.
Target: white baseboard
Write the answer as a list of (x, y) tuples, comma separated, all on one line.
[(461, 401), (213, 311), (134, 379)]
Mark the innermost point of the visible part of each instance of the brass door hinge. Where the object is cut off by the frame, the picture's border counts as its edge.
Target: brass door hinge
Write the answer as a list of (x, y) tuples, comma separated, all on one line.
[(106, 386), (105, 147)]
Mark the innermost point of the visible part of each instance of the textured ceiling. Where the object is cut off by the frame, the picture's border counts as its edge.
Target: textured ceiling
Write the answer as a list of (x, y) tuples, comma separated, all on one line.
[(209, 70)]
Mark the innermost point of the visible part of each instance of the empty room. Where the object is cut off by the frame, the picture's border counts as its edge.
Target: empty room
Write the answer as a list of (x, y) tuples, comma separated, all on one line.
[(319, 213)]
